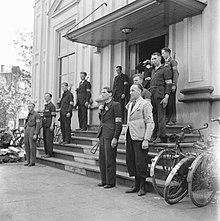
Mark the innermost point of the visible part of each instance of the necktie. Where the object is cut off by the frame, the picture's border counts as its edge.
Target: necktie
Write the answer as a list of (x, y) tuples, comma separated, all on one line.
[(132, 105)]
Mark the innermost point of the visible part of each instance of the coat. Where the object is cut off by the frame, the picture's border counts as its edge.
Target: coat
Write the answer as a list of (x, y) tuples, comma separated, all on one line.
[(140, 120)]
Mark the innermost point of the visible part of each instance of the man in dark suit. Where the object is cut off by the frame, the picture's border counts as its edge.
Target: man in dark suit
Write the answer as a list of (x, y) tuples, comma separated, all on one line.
[(121, 89), (108, 134), (66, 107), (83, 98), (161, 82)]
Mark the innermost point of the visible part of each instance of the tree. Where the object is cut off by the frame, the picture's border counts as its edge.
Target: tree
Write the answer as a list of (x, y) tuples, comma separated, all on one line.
[(14, 93)]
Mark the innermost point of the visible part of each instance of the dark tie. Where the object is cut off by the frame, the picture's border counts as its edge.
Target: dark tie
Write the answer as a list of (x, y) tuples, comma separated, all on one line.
[(132, 105)]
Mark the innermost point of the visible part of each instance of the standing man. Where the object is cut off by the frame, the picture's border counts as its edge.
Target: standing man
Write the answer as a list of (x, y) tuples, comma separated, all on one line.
[(32, 128), (121, 89), (49, 116), (138, 79), (140, 127), (161, 82), (171, 106), (66, 107), (108, 134), (83, 97)]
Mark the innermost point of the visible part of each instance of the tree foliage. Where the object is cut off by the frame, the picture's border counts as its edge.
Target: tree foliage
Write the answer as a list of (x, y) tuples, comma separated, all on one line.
[(16, 89)]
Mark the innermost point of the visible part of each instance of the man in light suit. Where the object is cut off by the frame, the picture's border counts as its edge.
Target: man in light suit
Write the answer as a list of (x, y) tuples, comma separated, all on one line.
[(140, 127)]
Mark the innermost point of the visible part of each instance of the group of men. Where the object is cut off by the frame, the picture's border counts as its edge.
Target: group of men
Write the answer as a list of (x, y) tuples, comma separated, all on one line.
[(149, 106), (147, 115), (66, 104)]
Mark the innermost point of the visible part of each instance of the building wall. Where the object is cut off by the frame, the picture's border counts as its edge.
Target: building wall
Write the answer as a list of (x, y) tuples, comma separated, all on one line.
[(194, 42)]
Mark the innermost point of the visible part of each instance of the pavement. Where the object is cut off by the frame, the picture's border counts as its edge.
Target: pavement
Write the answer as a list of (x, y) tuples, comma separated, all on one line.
[(42, 193)]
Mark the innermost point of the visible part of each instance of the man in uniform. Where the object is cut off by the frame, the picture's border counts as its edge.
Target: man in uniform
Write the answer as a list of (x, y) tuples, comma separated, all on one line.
[(139, 129), (83, 98), (161, 82), (108, 134), (171, 106), (32, 128), (138, 79), (66, 107), (49, 115), (121, 89)]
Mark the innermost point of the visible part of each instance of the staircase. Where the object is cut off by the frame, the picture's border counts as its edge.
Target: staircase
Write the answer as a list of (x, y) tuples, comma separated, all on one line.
[(76, 157)]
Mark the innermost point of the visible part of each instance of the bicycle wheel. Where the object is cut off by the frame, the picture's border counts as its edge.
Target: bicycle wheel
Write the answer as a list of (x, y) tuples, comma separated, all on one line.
[(176, 186), (161, 166), (202, 180)]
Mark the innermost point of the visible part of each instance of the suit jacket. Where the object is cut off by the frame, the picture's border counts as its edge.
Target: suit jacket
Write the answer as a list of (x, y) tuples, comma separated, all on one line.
[(66, 103), (83, 92), (121, 86), (110, 121), (140, 120)]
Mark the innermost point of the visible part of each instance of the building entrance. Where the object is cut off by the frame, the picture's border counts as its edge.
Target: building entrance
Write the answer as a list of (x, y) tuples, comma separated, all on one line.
[(148, 47)]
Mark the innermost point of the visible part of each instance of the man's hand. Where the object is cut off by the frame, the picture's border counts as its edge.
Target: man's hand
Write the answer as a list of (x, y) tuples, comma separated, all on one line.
[(122, 96), (173, 88), (114, 142), (164, 101), (35, 137), (86, 104), (68, 115), (145, 145), (51, 128)]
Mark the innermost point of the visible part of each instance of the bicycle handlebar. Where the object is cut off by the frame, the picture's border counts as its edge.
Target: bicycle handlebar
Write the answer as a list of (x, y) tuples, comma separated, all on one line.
[(216, 119)]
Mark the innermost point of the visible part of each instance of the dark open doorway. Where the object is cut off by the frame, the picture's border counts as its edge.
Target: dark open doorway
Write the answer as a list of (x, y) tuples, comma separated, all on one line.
[(148, 47)]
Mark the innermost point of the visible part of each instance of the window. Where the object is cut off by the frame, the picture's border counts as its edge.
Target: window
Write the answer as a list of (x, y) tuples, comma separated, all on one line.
[(66, 60)]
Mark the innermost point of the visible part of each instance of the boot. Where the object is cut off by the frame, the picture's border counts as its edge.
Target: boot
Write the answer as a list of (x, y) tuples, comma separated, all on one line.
[(142, 187), (136, 187)]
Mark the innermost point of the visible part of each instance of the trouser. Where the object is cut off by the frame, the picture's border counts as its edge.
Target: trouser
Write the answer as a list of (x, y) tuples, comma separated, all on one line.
[(159, 115), (30, 145), (122, 103), (48, 136), (107, 161), (171, 108), (65, 128), (82, 116), (136, 158)]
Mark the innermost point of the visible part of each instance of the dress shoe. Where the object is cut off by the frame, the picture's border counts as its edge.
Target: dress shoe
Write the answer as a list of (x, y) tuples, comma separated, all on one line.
[(132, 190), (65, 142), (141, 192), (26, 164), (170, 123), (47, 156), (31, 164), (107, 186), (101, 184)]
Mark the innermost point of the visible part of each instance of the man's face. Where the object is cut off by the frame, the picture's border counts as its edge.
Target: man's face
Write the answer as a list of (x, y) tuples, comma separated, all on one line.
[(137, 80), (82, 77), (30, 107), (134, 92), (155, 60), (105, 93), (64, 87), (118, 70), (165, 54), (47, 97)]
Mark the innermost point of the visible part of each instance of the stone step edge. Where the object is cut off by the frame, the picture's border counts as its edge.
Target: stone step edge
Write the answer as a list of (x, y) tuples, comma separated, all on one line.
[(122, 141), (80, 166), (87, 156)]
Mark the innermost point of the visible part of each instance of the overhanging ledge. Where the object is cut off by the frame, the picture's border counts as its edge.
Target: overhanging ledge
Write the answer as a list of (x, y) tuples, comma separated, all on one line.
[(145, 17)]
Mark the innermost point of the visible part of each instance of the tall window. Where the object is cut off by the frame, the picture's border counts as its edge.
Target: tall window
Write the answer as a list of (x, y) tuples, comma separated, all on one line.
[(66, 59)]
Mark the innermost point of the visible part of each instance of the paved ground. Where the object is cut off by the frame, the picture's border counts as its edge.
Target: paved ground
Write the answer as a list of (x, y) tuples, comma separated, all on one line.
[(42, 193)]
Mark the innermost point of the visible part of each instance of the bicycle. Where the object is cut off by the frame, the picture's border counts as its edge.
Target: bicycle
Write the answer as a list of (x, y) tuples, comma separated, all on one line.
[(176, 185), (57, 134), (203, 175), (167, 158)]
